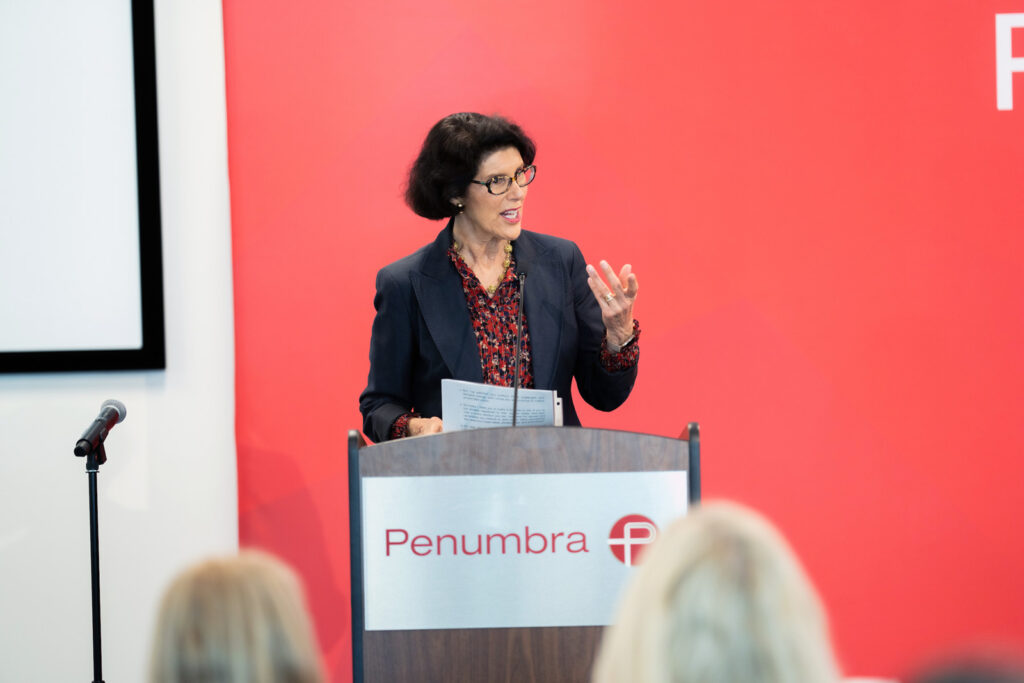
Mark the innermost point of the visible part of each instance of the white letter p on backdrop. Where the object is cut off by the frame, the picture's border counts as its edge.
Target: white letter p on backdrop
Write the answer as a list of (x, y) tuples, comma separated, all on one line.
[(1006, 63)]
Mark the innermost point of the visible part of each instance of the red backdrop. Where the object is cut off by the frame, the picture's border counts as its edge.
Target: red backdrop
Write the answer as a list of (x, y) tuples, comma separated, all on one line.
[(824, 210)]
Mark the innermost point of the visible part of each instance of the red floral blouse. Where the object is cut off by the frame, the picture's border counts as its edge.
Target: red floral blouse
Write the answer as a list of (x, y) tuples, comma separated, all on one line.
[(494, 324)]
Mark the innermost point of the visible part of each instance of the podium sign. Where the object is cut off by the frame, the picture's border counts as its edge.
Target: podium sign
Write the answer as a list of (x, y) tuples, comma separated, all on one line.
[(499, 554), (507, 550)]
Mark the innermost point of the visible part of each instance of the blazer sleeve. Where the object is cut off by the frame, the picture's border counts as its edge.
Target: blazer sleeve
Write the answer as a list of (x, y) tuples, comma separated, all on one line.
[(388, 392), (600, 388)]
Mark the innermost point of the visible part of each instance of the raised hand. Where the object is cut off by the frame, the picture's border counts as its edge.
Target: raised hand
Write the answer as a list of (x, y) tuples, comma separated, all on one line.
[(616, 298)]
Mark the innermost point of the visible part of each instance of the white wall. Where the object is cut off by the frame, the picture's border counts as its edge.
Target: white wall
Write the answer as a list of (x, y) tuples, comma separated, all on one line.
[(168, 493)]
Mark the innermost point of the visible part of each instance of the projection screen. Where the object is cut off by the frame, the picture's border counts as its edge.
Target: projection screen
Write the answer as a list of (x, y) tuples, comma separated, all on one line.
[(81, 278)]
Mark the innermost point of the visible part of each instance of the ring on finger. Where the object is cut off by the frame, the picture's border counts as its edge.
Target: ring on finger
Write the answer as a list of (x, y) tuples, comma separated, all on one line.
[(608, 297)]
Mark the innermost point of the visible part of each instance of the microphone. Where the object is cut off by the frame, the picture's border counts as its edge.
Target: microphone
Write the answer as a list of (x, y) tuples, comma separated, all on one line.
[(519, 346), (111, 412)]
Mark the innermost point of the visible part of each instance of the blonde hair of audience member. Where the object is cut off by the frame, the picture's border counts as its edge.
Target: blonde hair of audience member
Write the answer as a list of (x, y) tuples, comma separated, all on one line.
[(719, 598), (238, 619)]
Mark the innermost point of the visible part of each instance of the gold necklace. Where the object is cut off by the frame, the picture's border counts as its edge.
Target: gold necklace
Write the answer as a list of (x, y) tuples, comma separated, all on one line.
[(491, 289)]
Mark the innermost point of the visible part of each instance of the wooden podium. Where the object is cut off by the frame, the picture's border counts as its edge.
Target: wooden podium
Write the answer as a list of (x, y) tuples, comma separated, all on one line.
[(562, 654)]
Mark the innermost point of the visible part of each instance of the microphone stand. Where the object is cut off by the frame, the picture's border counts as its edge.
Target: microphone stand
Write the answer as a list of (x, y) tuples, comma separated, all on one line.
[(96, 457), (519, 346)]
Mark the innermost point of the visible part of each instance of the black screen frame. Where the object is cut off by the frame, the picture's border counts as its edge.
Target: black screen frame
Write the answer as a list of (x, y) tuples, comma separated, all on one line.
[(152, 353)]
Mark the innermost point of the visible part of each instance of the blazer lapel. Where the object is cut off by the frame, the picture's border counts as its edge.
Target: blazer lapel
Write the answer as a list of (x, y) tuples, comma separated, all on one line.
[(543, 295), (438, 289)]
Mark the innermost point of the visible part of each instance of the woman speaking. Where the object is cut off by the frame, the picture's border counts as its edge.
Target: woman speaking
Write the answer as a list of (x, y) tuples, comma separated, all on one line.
[(450, 309)]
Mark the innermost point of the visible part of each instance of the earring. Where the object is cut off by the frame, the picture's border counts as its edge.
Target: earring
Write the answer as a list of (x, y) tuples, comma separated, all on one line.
[(460, 206)]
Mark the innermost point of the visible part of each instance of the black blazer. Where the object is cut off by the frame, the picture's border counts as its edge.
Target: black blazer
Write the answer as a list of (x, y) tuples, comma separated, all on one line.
[(422, 332)]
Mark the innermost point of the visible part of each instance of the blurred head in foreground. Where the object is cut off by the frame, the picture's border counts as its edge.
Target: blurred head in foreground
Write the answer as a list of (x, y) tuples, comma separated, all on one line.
[(238, 619), (718, 598)]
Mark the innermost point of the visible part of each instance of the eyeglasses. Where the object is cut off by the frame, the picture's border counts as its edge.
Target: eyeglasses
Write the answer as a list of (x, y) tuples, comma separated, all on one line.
[(500, 184)]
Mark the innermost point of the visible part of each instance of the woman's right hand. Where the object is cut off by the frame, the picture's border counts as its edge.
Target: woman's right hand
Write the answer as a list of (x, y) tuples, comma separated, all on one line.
[(425, 425)]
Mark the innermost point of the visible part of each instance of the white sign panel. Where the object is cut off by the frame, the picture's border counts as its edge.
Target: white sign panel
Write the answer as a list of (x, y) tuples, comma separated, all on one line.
[(507, 551)]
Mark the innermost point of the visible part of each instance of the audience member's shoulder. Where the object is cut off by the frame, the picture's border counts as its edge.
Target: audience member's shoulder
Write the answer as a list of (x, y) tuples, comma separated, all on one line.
[(1004, 666)]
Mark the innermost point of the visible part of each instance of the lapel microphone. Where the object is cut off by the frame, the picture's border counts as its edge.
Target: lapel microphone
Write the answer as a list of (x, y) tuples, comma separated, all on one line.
[(519, 346)]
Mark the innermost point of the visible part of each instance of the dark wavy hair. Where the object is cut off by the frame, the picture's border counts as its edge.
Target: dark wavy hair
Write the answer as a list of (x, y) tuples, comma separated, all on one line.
[(450, 156)]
